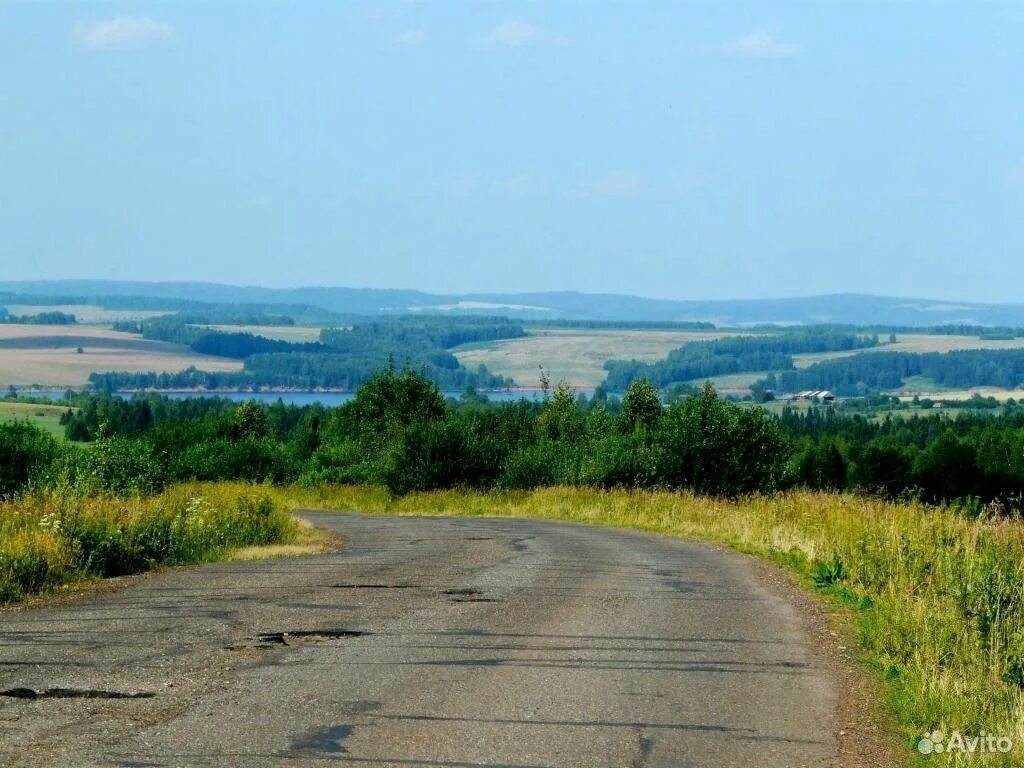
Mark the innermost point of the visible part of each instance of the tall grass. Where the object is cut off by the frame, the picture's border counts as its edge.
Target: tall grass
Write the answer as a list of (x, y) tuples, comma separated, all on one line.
[(939, 597), (50, 540)]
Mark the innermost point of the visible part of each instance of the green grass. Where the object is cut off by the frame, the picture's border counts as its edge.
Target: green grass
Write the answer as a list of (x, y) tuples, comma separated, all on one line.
[(45, 416), (937, 597), (921, 384), (50, 541), (294, 333), (728, 381)]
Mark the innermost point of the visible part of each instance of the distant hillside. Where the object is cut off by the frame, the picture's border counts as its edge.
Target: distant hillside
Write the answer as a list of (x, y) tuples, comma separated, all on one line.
[(837, 308)]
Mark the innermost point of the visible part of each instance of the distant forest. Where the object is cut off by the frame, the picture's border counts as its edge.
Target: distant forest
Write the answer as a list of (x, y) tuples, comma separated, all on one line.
[(40, 318), (860, 374), (342, 359), (704, 359)]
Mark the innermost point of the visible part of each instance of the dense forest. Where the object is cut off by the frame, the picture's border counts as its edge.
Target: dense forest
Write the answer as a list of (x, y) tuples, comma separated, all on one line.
[(399, 431), (703, 359), (859, 374), (342, 359)]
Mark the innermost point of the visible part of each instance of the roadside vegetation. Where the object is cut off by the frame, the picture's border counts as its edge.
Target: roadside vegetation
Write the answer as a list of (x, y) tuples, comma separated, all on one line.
[(49, 540), (936, 595)]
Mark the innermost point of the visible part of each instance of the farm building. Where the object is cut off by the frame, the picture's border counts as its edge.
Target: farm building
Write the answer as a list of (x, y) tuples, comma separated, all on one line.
[(824, 395)]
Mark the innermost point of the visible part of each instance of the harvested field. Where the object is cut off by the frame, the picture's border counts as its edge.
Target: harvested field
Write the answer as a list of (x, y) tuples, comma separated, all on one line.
[(48, 355)]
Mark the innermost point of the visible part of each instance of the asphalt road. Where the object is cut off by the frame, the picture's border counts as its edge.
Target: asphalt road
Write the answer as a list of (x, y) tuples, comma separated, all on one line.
[(426, 642)]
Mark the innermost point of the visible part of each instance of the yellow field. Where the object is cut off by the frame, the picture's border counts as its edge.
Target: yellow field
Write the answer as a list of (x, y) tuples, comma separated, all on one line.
[(937, 393), (86, 313), (47, 355), (297, 333), (578, 355), (915, 342), (575, 355), (966, 394)]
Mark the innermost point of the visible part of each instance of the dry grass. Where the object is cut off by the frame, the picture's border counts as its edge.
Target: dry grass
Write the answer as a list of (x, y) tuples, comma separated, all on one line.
[(915, 342), (307, 540), (578, 355), (47, 355), (574, 355), (9, 331), (52, 540), (967, 394), (938, 597)]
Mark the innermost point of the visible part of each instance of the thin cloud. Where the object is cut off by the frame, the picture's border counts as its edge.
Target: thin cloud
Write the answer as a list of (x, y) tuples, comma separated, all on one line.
[(411, 38), (761, 45), (516, 185), (512, 34), (617, 184), (123, 32)]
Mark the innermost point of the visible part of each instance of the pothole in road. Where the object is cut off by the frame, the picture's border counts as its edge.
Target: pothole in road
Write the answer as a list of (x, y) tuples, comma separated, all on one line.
[(73, 693), (680, 586), (468, 595), (325, 740), (299, 636)]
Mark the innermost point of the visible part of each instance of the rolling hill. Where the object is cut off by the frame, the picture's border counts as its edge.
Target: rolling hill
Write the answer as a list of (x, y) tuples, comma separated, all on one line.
[(832, 308)]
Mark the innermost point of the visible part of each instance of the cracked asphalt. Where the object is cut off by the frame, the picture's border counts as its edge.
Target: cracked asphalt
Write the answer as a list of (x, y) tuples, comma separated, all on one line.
[(426, 642)]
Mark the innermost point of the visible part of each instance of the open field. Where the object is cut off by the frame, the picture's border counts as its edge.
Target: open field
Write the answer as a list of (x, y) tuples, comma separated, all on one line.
[(48, 355), (296, 333), (86, 313), (575, 355), (44, 416), (934, 595), (732, 382), (915, 342), (919, 385), (578, 355)]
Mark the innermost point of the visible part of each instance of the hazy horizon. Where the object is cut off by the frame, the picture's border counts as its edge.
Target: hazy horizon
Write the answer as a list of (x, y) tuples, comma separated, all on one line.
[(690, 152), (949, 302)]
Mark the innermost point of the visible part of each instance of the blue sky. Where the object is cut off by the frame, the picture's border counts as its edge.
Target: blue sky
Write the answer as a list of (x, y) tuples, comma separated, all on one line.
[(676, 150)]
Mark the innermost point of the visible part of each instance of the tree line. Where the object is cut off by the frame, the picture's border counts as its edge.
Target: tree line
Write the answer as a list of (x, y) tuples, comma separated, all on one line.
[(704, 359), (343, 358), (41, 318), (401, 432), (859, 374)]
